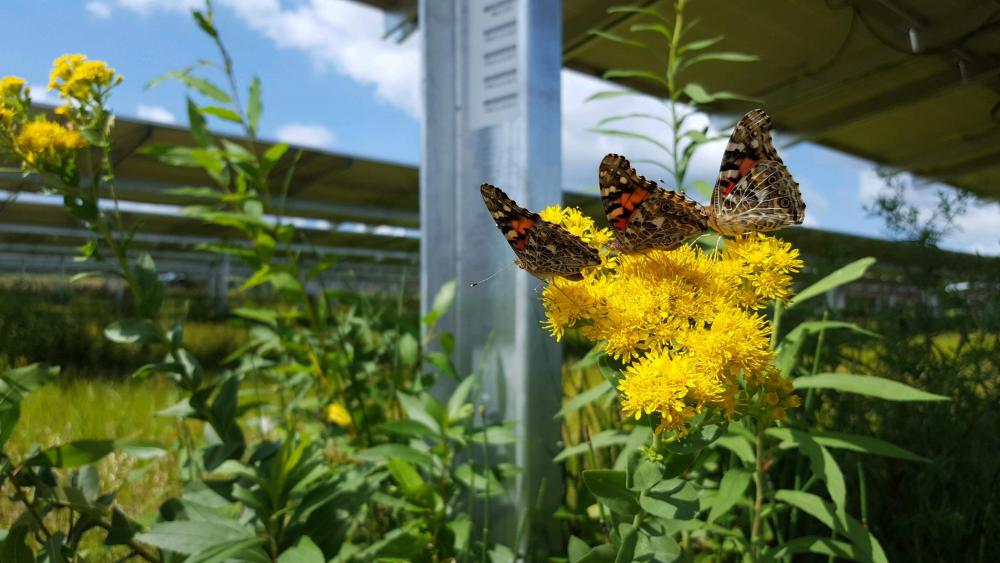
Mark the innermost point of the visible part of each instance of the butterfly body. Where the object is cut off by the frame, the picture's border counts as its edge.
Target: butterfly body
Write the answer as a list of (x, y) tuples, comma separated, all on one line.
[(543, 249)]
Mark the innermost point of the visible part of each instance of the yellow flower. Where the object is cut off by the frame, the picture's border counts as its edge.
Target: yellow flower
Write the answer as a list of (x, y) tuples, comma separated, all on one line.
[(11, 86), (337, 414), (74, 77), (46, 142), (684, 322), (6, 114)]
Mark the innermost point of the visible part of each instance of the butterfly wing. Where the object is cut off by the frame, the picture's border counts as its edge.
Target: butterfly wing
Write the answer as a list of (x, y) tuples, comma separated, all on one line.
[(543, 249), (753, 182), (642, 214), (766, 199)]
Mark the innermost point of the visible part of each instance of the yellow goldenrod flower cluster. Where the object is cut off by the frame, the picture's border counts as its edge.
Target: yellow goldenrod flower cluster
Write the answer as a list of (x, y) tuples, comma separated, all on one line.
[(74, 77), (13, 96), (685, 322), (42, 142)]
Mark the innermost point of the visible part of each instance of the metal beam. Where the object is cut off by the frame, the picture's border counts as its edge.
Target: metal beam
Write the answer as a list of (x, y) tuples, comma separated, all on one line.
[(149, 191), (480, 129), (185, 241)]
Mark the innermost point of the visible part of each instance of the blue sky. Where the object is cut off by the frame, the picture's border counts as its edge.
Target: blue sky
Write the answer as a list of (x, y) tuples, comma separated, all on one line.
[(330, 81)]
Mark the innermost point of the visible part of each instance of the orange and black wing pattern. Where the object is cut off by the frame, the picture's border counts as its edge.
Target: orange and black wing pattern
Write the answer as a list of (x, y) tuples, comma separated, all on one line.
[(543, 249), (643, 215)]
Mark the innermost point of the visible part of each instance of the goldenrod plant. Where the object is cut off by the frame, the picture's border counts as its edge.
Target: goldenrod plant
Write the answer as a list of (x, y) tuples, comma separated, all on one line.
[(708, 393)]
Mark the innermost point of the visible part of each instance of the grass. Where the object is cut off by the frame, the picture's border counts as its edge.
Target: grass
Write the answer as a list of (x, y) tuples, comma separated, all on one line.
[(80, 409)]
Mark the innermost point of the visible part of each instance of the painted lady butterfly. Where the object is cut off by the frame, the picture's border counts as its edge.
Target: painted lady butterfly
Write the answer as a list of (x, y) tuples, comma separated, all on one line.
[(754, 192), (543, 249)]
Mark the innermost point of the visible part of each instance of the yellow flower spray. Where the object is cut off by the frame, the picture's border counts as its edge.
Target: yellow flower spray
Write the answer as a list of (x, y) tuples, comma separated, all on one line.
[(685, 323)]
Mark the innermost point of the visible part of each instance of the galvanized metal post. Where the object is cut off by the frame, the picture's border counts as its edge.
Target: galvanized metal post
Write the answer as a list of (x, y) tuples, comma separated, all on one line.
[(492, 114)]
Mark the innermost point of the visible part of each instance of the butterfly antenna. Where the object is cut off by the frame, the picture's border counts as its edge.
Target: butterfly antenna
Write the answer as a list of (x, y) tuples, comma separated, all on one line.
[(491, 276)]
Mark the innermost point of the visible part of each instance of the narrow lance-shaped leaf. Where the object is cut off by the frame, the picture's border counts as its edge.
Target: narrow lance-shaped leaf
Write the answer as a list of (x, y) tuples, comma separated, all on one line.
[(872, 386), (847, 274), (581, 400), (734, 482), (616, 38)]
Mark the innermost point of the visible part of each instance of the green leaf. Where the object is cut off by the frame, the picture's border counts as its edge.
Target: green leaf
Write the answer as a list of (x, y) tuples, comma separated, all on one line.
[(845, 275), (263, 316), (459, 397), (604, 553), (140, 449), (15, 385), (247, 550), (130, 331), (868, 548), (734, 482), (723, 56), (205, 23), (658, 28), (149, 286), (197, 191), (272, 155), (384, 452), (632, 73), (651, 12), (673, 499), (577, 549), (190, 537), (602, 439), (697, 93), (409, 350), (305, 551), (198, 125), (73, 454), (222, 113), (616, 38), (410, 428), (626, 550), (793, 341), (497, 435), (700, 44), (122, 528), (737, 444), (870, 385), (583, 399), (442, 302), (811, 544), (603, 95), (408, 478), (254, 105), (416, 411), (852, 442), (609, 488)]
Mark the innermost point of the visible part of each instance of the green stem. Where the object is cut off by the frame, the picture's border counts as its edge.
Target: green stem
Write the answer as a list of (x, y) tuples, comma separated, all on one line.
[(593, 462), (758, 504), (675, 41)]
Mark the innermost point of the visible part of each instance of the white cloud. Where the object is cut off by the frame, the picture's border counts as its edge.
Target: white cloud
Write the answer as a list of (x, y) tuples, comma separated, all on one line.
[(978, 229), (343, 36), (583, 149), (99, 9), (40, 94), (154, 113), (311, 135), (149, 6), (335, 34)]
